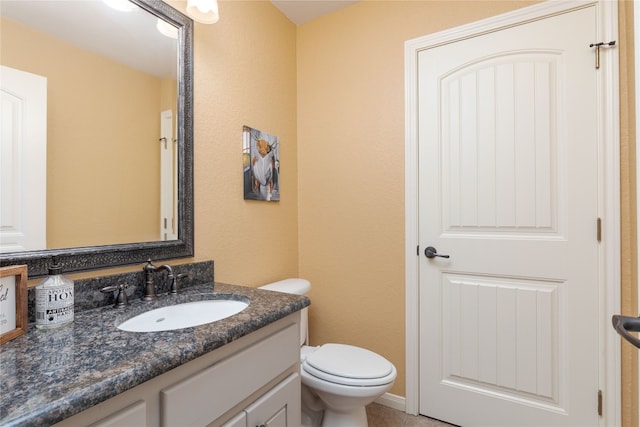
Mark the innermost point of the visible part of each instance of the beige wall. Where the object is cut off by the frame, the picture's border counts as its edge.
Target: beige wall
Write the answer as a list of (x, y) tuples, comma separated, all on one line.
[(91, 139), (245, 74), (351, 165), (351, 171)]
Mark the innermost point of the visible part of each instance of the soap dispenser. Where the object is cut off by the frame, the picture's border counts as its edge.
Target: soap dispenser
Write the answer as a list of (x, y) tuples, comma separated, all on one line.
[(54, 299)]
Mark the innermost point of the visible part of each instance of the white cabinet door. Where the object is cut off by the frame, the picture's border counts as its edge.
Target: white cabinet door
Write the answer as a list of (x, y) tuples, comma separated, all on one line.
[(280, 407)]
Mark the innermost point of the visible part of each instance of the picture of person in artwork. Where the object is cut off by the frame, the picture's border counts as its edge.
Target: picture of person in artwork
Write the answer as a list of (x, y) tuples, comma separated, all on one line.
[(263, 165)]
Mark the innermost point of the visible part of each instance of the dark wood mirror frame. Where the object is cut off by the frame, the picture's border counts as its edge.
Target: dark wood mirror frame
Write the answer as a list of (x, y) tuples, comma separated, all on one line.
[(98, 257)]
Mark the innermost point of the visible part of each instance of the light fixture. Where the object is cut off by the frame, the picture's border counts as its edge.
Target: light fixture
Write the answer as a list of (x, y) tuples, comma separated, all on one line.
[(167, 29), (204, 11)]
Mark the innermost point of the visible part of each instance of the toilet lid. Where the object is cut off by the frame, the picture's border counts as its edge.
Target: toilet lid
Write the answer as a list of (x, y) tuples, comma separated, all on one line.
[(347, 361)]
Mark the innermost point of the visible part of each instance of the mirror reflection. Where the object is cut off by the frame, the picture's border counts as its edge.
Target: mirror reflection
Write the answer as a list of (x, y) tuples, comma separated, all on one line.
[(89, 110)]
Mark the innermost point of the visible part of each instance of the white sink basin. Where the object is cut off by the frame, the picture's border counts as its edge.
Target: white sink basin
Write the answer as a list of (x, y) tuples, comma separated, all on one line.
[(183, 315)]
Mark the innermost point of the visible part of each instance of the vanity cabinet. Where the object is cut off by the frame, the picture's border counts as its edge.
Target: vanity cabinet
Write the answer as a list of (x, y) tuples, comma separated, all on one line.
[(253, 381)]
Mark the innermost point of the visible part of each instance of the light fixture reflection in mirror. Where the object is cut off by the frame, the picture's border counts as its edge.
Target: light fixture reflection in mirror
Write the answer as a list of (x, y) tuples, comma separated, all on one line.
[(167, 29), (121, 5), (204, 11)]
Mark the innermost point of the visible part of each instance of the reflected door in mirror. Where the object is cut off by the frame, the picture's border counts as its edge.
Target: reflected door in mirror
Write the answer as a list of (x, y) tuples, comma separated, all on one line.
[(23, 145)]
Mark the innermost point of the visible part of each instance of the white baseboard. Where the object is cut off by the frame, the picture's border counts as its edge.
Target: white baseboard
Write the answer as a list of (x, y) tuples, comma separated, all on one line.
[(392, 401)]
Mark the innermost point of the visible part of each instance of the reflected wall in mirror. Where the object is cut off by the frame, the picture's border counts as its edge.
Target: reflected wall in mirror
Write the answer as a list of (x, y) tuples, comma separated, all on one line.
[(109, 76), (115, 86)]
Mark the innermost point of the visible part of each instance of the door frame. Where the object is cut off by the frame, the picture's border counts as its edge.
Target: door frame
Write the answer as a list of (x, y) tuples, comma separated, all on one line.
[(608, 190), (636, 26)]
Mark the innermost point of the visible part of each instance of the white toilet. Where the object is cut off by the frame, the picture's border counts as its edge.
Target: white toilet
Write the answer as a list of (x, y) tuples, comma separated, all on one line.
[(338, 380)]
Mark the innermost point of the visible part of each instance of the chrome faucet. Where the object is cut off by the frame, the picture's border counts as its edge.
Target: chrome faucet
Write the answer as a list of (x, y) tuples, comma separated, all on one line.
[(149, 269)]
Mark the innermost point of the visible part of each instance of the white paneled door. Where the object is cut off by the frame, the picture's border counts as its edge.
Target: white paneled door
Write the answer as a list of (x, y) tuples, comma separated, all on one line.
[(168, 174), (23, 161), (508, 189)]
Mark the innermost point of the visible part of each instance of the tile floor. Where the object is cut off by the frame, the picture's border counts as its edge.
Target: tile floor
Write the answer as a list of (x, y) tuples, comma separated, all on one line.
[(382, 416)]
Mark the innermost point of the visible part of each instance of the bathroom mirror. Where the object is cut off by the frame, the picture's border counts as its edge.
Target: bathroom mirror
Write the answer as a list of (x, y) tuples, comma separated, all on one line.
[(138, 236)]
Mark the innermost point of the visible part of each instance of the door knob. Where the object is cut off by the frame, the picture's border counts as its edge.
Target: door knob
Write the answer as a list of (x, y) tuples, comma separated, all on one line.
[(431, 252), (624, 325)]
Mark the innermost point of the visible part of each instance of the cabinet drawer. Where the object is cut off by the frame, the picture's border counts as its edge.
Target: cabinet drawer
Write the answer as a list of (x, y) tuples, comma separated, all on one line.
[(203, 397), (280, 407), (239, 420), (133, 415)]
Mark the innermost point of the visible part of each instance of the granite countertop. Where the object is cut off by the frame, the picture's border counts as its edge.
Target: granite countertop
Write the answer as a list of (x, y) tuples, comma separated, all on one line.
[(49, 375)]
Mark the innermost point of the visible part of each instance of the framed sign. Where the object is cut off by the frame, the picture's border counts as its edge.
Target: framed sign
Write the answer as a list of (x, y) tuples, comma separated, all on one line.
[(13, 302)]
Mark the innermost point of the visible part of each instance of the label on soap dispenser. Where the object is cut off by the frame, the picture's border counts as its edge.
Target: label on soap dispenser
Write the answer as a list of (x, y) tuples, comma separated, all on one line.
[(54, 306)]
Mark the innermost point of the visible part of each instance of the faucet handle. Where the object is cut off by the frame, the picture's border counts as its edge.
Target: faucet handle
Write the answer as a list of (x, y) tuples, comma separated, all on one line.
[(149, 267), (174, 281), (121, 300)]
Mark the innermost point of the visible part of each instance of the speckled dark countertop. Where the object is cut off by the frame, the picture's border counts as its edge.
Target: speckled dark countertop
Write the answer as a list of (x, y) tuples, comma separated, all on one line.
[(46, 376)]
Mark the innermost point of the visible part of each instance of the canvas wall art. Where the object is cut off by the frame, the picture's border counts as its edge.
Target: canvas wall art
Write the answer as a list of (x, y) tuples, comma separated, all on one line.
[(261, 165)]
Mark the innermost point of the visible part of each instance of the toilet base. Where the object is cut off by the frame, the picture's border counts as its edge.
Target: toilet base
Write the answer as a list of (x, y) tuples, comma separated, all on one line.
[(354, 418)]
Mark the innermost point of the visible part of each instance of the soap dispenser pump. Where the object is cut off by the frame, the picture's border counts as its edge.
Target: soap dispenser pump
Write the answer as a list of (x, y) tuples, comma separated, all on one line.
[(54, 299)]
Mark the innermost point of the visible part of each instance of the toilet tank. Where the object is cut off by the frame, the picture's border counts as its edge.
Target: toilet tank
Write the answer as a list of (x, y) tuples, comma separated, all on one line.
[(298, 287)]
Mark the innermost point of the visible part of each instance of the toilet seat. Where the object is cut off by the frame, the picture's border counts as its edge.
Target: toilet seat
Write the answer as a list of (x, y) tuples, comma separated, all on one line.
[(348, 365)]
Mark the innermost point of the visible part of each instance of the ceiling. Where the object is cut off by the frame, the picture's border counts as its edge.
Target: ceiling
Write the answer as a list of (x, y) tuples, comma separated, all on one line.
[(127, 37), (301, 11)]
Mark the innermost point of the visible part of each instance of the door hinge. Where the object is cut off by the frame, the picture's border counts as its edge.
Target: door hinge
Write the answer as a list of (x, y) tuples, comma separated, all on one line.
[(418, 250), (599, 229), (600, 403)]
